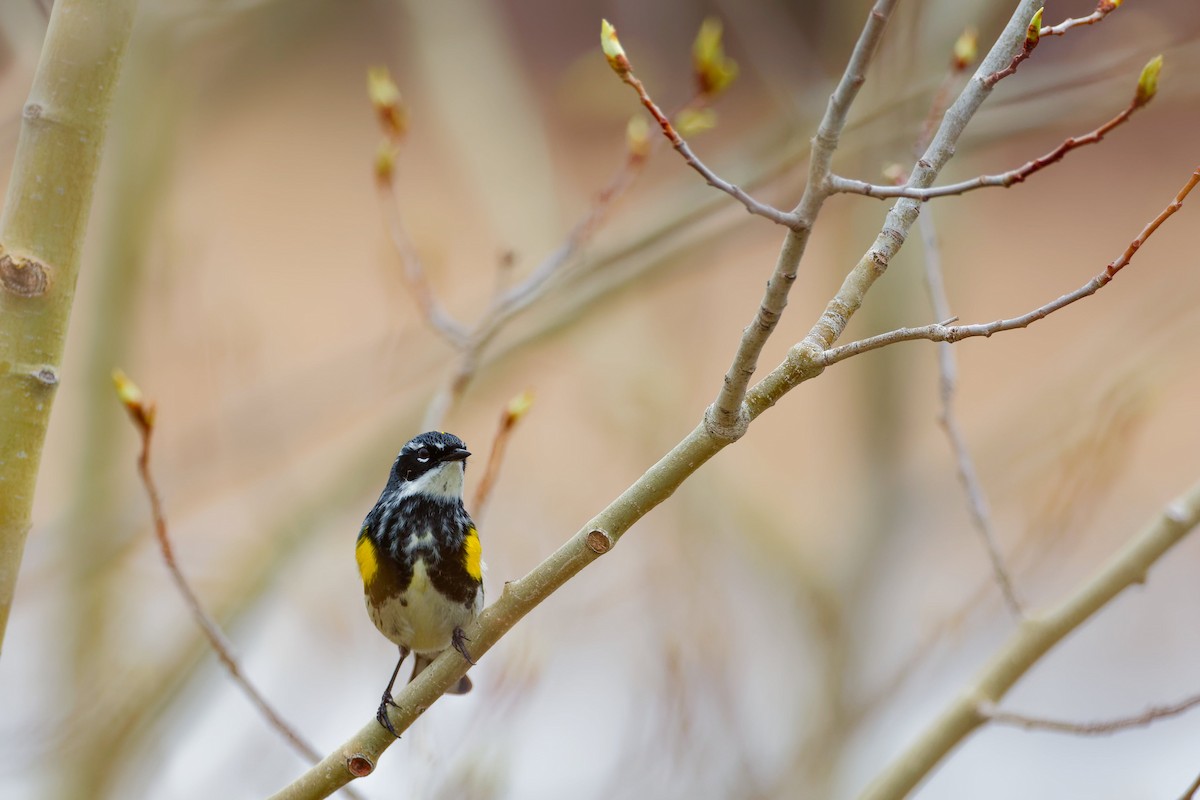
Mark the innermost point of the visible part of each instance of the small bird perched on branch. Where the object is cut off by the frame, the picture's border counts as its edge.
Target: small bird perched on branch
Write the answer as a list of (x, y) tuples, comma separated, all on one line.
[(419, 557)]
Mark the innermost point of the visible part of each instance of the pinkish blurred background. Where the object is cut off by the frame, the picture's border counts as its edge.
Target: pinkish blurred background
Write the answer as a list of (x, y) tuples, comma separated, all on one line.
[(804, 605)]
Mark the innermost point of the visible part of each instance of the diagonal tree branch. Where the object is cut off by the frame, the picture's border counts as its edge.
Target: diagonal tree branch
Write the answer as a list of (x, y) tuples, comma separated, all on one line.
[(1036, 637)]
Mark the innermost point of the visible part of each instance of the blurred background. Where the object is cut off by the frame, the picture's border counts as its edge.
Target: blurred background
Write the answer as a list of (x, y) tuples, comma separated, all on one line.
[(804, 605)]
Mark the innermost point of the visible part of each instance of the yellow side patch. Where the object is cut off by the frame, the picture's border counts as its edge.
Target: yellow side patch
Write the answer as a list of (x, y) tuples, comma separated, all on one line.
[(473, 555), (368, 560)]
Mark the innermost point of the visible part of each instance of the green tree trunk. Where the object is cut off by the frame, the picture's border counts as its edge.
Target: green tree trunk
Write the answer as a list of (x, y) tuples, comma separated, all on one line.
[(41, 239)]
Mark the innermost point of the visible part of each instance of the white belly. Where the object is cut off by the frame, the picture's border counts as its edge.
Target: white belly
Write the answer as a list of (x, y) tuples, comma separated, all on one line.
[(422, 619)]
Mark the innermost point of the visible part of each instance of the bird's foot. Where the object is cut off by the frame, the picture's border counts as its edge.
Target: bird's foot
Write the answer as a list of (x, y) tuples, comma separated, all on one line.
[(382, 714), (459, 640)]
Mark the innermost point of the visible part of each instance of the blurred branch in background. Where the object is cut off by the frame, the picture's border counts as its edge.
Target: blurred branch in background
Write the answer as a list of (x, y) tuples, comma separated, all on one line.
[(947, 380), (517, 408), (1098, 728), (99, 527), (1036, 637), (470, 341), (965, 52), (142, 414), (42, 232)]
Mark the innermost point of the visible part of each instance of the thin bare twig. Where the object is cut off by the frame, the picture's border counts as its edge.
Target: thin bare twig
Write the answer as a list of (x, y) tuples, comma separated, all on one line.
[(976, 501), (991, 80), (512, 414), (533, 286), (1037, 31), (941, 332), (142, 414), (507, 303), (1098, 728), (681, 146), (1103, 9), (1033, 32), (415, 278), (469, 340), (1003, 179)]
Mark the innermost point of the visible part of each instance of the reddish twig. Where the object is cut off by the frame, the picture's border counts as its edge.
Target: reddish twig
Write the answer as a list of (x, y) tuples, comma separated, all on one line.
[(1099, 728), (1148, 231), (142, 415), (1036, 32), (943, 332), (512, 414), (991, 80), (778, 216), (1003, 179)]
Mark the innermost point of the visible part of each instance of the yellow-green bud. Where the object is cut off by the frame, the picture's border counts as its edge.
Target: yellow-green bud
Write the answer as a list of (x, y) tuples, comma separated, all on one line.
[(1147, 85)]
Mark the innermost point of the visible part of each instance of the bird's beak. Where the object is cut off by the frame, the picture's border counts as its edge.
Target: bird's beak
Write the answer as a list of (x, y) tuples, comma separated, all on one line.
[(458, 454)]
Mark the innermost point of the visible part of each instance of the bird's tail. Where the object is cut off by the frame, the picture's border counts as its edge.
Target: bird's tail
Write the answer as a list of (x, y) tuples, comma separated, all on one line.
[(420, 662)]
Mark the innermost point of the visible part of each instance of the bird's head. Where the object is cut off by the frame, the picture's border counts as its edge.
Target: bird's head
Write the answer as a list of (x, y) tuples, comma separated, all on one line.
[(431, 464)]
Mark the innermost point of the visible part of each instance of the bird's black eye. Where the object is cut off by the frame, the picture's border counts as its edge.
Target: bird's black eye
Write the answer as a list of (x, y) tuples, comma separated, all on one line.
[(423, 455)]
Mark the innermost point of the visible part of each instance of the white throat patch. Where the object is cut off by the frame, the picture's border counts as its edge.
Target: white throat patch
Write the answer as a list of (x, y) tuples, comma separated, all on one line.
[(443, 481)]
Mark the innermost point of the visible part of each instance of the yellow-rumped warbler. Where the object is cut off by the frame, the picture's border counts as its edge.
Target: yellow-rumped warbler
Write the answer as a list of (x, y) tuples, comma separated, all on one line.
[(419, 557)]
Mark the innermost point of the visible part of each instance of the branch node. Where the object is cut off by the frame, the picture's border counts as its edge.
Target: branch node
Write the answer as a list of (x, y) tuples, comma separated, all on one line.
[(359, 765), (46, 375), (600, 541), (24, 277), (1176, 513), (726, 432)]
